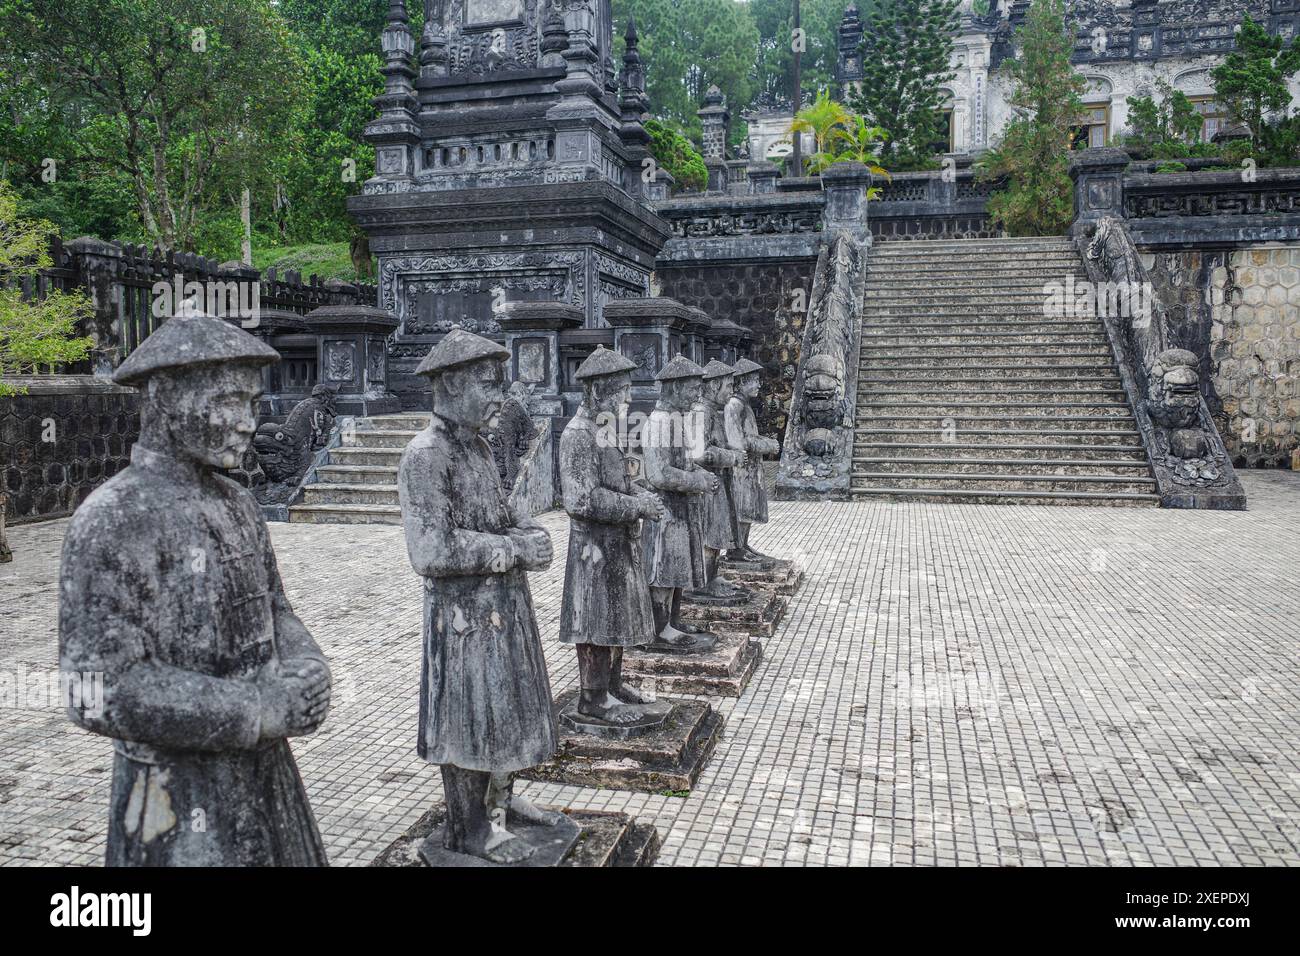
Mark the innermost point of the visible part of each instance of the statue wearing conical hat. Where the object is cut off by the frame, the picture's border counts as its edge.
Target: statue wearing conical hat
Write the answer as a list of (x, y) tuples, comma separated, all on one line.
[(712, 453), (749, 495), (606, 604), (169, 589), (674, 543), (485, 699)]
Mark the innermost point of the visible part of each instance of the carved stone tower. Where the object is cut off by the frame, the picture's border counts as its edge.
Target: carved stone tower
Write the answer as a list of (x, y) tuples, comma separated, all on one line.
[(508, 168)]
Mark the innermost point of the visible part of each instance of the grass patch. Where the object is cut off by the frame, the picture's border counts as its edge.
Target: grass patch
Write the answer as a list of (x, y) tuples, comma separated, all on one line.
[(328, 260)]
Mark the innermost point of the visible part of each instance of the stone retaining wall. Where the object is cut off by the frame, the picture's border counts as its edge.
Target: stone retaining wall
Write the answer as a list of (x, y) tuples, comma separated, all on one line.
[(61, 440), (1239, 311)]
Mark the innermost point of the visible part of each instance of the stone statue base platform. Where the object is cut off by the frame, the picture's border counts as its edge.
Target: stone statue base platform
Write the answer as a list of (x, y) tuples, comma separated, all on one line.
[(722, 672), (777, 575), (598, 839), (669, 757), (704, 599), (757, 616), (653, 718)]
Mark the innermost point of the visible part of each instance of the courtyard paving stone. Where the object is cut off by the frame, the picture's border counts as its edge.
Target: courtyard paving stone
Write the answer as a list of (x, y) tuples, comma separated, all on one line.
[(953, 684)]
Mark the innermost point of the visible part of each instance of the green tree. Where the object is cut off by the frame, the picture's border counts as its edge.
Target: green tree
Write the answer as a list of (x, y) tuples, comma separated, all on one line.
[(774, 64), (1167, 129), (184, 99), (1251, 84), (36, 334), (688, 46), (675, 153), (905, 53), (822, 117), (1034, 154), (857, 141)]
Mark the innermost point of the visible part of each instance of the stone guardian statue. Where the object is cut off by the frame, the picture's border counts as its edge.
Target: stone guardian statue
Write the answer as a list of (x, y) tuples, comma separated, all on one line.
[(674, 544), (485, 699), (606, 604), (169, 589), (749, 496), (713, 453)]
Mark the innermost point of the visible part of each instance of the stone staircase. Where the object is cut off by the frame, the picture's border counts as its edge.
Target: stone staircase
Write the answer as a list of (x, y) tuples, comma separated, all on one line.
[(359, 483), (968, 393)]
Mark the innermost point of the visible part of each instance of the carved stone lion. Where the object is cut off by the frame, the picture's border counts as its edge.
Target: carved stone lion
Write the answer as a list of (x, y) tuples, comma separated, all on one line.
[(823, 391)]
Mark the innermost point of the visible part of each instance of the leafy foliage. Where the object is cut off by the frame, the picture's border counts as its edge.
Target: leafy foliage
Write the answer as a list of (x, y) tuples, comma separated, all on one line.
[(1167, 129), (820, 20), (33, 334), (821, 118), (1251, 83), (183, 99), (675, 153), (1034, 154), (906, 48), (688, 46)]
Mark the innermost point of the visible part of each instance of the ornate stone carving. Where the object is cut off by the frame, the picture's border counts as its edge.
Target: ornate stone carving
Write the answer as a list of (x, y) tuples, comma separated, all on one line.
[(285, 450)]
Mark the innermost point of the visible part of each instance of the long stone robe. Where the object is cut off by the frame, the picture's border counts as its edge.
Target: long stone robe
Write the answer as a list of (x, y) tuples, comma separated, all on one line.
[(747, 480), (606, 598), (485, 699), (674, 544), (713, 454), (170, 589)]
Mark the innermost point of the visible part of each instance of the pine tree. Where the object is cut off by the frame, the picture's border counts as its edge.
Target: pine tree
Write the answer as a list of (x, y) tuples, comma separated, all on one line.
[(906, 48), (1034, 155), (1251, 83)]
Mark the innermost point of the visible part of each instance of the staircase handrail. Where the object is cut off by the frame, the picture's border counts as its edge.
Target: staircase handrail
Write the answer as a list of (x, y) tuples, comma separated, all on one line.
[(1188, 458)]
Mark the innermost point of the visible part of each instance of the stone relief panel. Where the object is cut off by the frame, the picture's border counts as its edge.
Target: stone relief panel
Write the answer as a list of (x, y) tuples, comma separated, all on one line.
[(431, 294), (341, 361)]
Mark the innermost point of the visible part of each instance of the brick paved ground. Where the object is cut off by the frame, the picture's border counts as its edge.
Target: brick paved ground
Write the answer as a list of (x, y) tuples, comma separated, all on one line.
[(954, 684)]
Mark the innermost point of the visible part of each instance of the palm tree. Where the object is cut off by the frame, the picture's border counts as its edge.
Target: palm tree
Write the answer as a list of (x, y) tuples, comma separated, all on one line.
[(820, 118), (859, 142)]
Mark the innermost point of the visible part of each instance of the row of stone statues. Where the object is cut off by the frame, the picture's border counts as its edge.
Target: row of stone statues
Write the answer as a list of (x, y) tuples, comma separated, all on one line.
[(169, 588)]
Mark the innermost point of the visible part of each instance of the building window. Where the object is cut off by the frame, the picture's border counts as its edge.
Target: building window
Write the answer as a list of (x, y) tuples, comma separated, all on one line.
[(1213, 117), (1094, 130), (946, 143)]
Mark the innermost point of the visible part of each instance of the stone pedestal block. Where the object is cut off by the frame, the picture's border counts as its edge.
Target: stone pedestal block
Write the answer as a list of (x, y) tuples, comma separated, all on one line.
[(757, 616), (352, 357), (668, 757), (651, 332), (602, 840), (722, 672), (775, 576), (1098, 176)]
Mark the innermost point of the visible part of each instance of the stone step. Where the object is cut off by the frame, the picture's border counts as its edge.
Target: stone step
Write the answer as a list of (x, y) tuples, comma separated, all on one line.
[(955, 310), (905, 464), (1009, 342), (904, 246), (949, 496), (1000, 436), (970, 291), (1062, 378), (415, 421), (968, 424), (956, 268), (380, 438), (947, 324), (1044, 361), (358, 474), (897, 274), (931, 395), (1026, 450), (1030, 411), (339, 493), (365, 456), (346, 514), (945, 481)]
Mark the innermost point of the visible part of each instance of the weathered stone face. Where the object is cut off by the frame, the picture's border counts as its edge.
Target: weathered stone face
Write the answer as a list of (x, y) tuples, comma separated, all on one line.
[(209, 413)]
